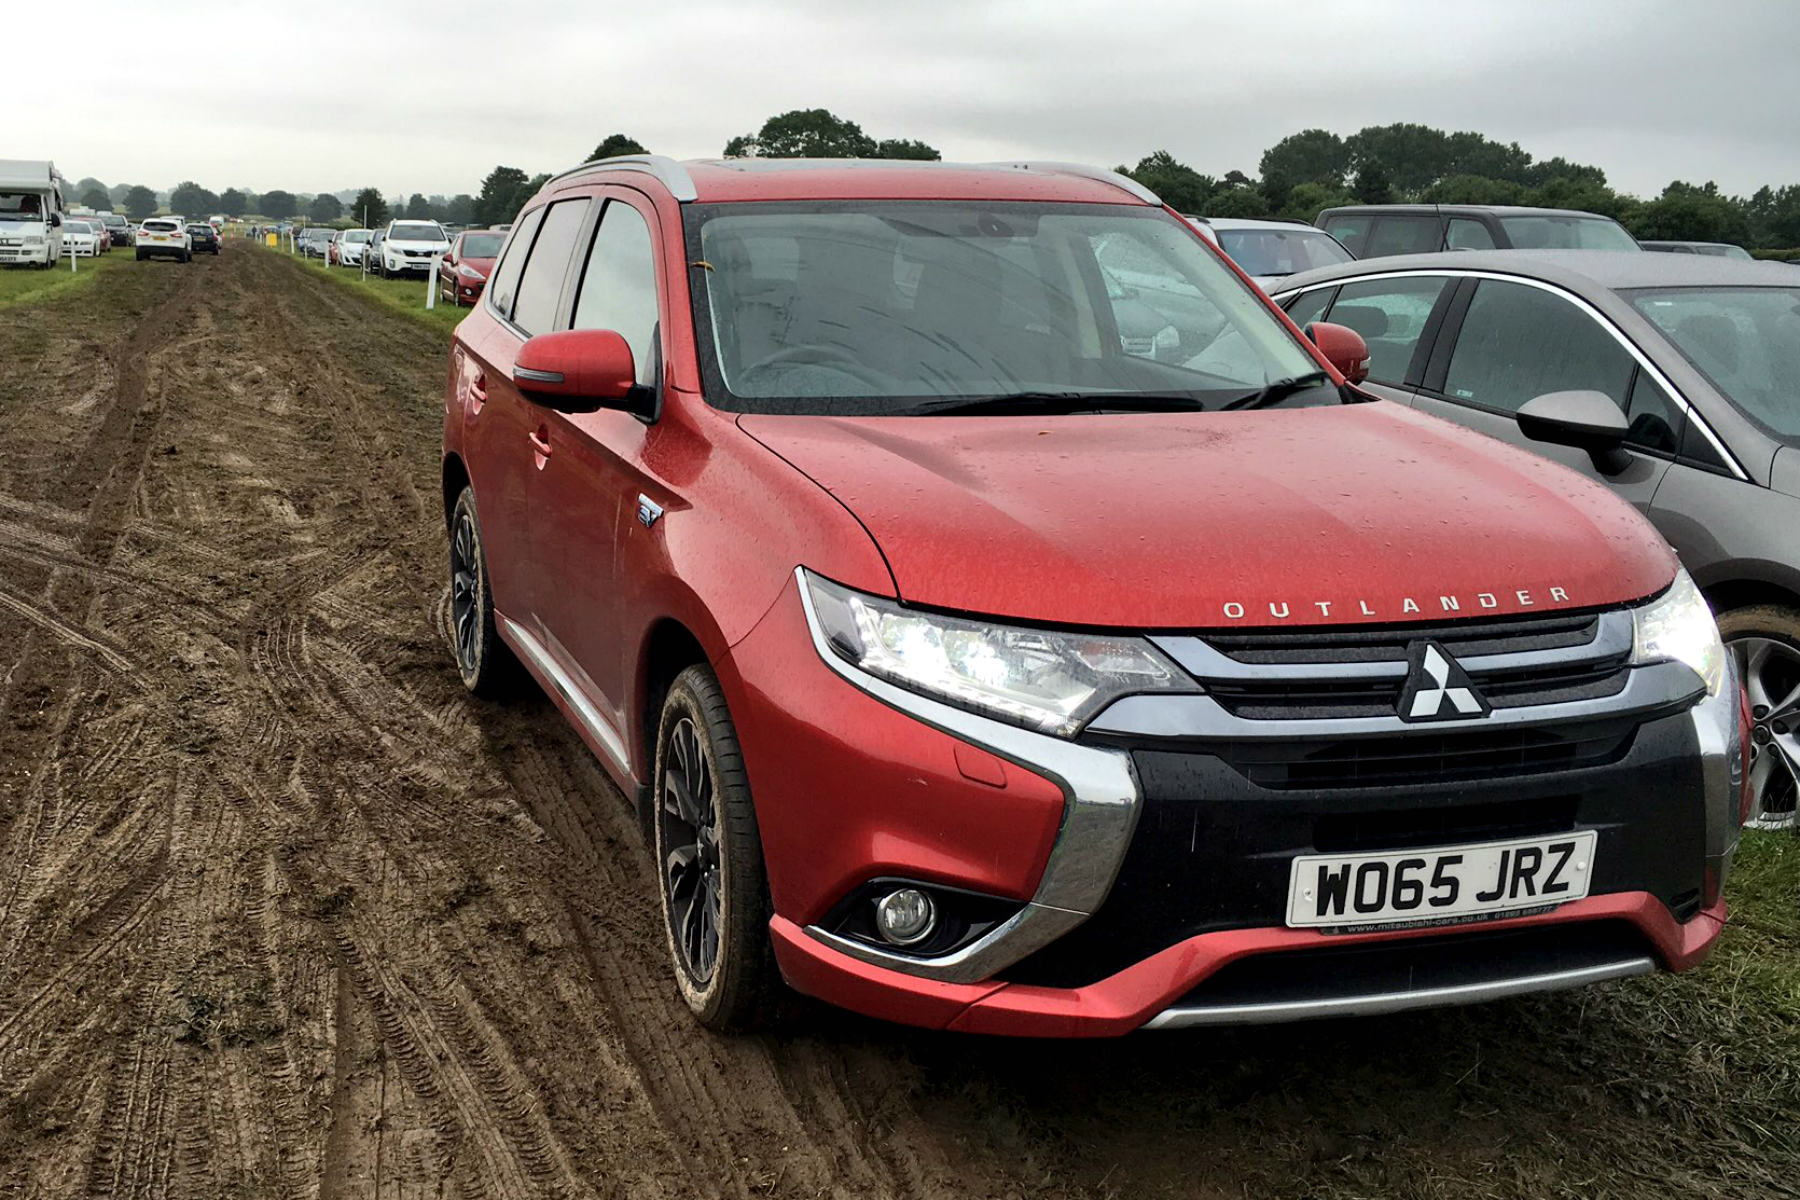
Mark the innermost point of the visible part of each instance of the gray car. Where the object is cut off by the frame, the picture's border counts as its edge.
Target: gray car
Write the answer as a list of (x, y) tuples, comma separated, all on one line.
[(1672, 379), (1376, 230)]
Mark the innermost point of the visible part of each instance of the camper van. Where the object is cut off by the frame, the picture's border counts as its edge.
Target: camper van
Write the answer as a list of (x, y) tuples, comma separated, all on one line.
[(31, 212)]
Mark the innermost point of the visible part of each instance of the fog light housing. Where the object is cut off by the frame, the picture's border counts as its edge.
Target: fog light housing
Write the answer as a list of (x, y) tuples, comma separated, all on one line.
[(905, 916)]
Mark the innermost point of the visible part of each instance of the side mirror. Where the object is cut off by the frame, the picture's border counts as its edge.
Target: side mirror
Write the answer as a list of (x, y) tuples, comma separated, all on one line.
[(1343, 348), (1586, 420), (56, 220), (580, 371)]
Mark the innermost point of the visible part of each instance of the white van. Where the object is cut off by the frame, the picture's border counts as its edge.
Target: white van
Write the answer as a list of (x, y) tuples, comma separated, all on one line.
[(31, 212)]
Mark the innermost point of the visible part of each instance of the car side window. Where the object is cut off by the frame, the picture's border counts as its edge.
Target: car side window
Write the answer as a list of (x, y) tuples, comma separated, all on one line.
[(1390, 314), (618, 285), (1465, 234), (541, 286), (1519, 342), (1308, 307), (1352, 231), (1655, 421), (505, 283), (1402, 235)]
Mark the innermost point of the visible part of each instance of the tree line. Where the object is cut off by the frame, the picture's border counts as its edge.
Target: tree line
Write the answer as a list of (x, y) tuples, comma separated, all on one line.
[(1297, 177)]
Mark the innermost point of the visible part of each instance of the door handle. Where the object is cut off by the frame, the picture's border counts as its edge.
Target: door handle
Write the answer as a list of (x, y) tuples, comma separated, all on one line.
[(540, 442), (478, 388)]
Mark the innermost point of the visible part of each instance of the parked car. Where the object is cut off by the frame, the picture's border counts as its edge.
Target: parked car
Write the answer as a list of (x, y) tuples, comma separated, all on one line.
[(164, 237), (1269, 251), (81, 237), (314, 241), (117, 227), (31, 213), (1378, 230), (347, 247), (464, 271), (372, 251), (1669, 378), (973, 672), (409, 247), (1714, 249), (204, 238)]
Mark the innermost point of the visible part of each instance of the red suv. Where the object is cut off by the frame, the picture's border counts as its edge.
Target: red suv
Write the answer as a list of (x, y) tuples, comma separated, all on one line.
[(1007, 621)]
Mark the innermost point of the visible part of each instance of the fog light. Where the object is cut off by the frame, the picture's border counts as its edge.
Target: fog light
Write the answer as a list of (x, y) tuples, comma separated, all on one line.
[(906, 916)]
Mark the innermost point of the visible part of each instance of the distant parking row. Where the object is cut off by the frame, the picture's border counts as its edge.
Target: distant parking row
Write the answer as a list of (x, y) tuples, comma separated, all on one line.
[(463, 259)]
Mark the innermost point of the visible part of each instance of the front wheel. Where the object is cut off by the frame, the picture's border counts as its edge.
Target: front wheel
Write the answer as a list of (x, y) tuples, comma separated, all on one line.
[(713, 885), (1765, 641)]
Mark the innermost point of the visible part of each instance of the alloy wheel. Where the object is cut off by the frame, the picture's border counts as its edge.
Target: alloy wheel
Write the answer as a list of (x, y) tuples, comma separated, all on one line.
[(688, 813), (1771, 673), (465, 592)]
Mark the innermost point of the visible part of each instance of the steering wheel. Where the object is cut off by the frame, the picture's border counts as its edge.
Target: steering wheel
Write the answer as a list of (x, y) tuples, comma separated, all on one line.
[(831, 356)]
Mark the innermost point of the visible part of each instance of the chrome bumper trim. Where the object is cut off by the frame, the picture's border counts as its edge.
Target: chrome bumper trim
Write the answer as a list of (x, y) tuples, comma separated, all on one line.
[(1373, 1003)]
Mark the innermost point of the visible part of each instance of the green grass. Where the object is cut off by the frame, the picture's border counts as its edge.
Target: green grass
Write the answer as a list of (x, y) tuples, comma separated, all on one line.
[(23, 285), (405, 296)]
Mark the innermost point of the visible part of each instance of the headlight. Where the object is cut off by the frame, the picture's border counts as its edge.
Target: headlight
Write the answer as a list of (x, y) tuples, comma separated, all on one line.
[(1679, 627), (34, 239), (468, 272), (1042, 679)]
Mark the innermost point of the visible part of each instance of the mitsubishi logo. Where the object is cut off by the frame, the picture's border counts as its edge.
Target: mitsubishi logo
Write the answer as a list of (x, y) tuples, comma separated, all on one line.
[(1437, 688)]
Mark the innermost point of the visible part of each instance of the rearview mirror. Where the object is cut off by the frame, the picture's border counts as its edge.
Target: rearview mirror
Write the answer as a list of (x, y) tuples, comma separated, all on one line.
[(1343, 348), (1586, 420), (581, 371)]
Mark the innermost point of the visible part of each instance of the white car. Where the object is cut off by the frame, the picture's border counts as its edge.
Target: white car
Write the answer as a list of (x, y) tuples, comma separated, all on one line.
[(1269, 251), (408, 247), (164, 237), (81, 239), (350, 246)]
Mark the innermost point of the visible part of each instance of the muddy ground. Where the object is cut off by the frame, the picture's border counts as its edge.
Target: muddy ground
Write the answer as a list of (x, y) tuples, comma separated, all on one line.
[(284, 914)]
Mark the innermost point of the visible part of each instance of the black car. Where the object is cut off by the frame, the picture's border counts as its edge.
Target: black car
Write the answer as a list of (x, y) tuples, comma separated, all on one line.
[(1377, 230), (206, 238), (1670, 378)]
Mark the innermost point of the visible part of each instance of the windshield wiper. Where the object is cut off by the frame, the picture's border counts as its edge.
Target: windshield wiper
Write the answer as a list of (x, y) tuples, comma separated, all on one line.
[(1057, 402), (1276, 392)]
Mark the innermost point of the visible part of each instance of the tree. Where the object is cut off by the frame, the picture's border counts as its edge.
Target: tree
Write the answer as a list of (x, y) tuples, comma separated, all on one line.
[(96, 198), (1688, 213), (1415, 156), (616, 144), (233, 202), (500, 196), (116, 194), (1181, 187), (418, 208), (1310, 156), (907, 148), (1472, 189), (461, 209), (369, 208), (87, 184), (804, 133), (1307, 200), (279, 205), (1236, 202), (139, 202), (324, 209), (1371, 183), (190, 199)]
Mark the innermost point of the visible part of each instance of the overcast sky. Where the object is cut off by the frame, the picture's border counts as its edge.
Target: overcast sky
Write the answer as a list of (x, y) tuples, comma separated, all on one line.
[(428, 97)]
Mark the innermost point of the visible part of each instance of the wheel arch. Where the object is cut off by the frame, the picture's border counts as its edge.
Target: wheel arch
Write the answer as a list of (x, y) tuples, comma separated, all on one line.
[(1747, 586), (456, 478)]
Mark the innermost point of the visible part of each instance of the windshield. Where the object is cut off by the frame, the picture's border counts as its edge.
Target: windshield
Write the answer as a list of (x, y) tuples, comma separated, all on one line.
[(487, 245), (357, 235), (416, 233), (1567, 232), (1746, 341), (1281, 251), (885, 307), (21, 206)]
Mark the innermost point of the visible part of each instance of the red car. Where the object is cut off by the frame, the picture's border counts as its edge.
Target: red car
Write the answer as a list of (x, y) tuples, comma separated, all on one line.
[(981, 663), (464, 271)]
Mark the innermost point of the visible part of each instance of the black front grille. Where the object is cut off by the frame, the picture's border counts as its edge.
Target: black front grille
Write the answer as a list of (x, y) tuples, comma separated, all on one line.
[(1384, 643), (1427, 757)]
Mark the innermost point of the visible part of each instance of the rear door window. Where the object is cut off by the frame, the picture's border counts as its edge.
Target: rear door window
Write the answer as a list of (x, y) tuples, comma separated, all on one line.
[(1519, 342), (1408, 234), (541, 287), (1351, 230), (1391, 315), (1464, 234), (506, 275), (1308, 307)]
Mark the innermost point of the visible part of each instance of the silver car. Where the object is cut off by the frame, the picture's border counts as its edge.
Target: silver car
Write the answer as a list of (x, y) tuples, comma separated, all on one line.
[(1673, 379)]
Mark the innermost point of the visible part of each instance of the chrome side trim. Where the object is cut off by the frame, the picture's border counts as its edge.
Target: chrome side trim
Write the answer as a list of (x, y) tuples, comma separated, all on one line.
[(1100, 813), (1373, 1003), (1197, 658), (1651, 688), (666, 171), (590, 717), (1085, 171), (1606, 323)]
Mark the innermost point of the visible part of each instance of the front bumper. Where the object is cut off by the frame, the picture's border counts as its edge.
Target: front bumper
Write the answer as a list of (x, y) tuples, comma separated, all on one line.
[(1155, 886)]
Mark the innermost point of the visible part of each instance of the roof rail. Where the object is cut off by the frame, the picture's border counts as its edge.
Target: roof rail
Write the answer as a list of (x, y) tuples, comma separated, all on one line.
[(1123, 182), (668, 172)]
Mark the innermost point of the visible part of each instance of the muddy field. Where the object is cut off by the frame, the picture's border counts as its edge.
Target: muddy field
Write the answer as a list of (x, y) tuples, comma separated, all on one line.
[(283, 914)]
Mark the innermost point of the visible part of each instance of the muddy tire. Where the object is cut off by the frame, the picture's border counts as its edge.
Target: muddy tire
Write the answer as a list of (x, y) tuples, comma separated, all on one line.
[(487, 665), (1764, 639), (711, 880)]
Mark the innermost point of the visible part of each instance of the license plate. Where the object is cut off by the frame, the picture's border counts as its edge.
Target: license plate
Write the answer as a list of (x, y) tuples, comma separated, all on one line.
[(1444, 884)]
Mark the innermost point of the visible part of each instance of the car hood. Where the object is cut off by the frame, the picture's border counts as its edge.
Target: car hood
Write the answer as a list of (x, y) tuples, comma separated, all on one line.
[(484, 265), (1365, 513), (397, 244)]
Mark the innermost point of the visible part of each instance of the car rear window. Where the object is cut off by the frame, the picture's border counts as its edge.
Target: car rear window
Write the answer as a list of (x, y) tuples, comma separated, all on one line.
[(160, 226)]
